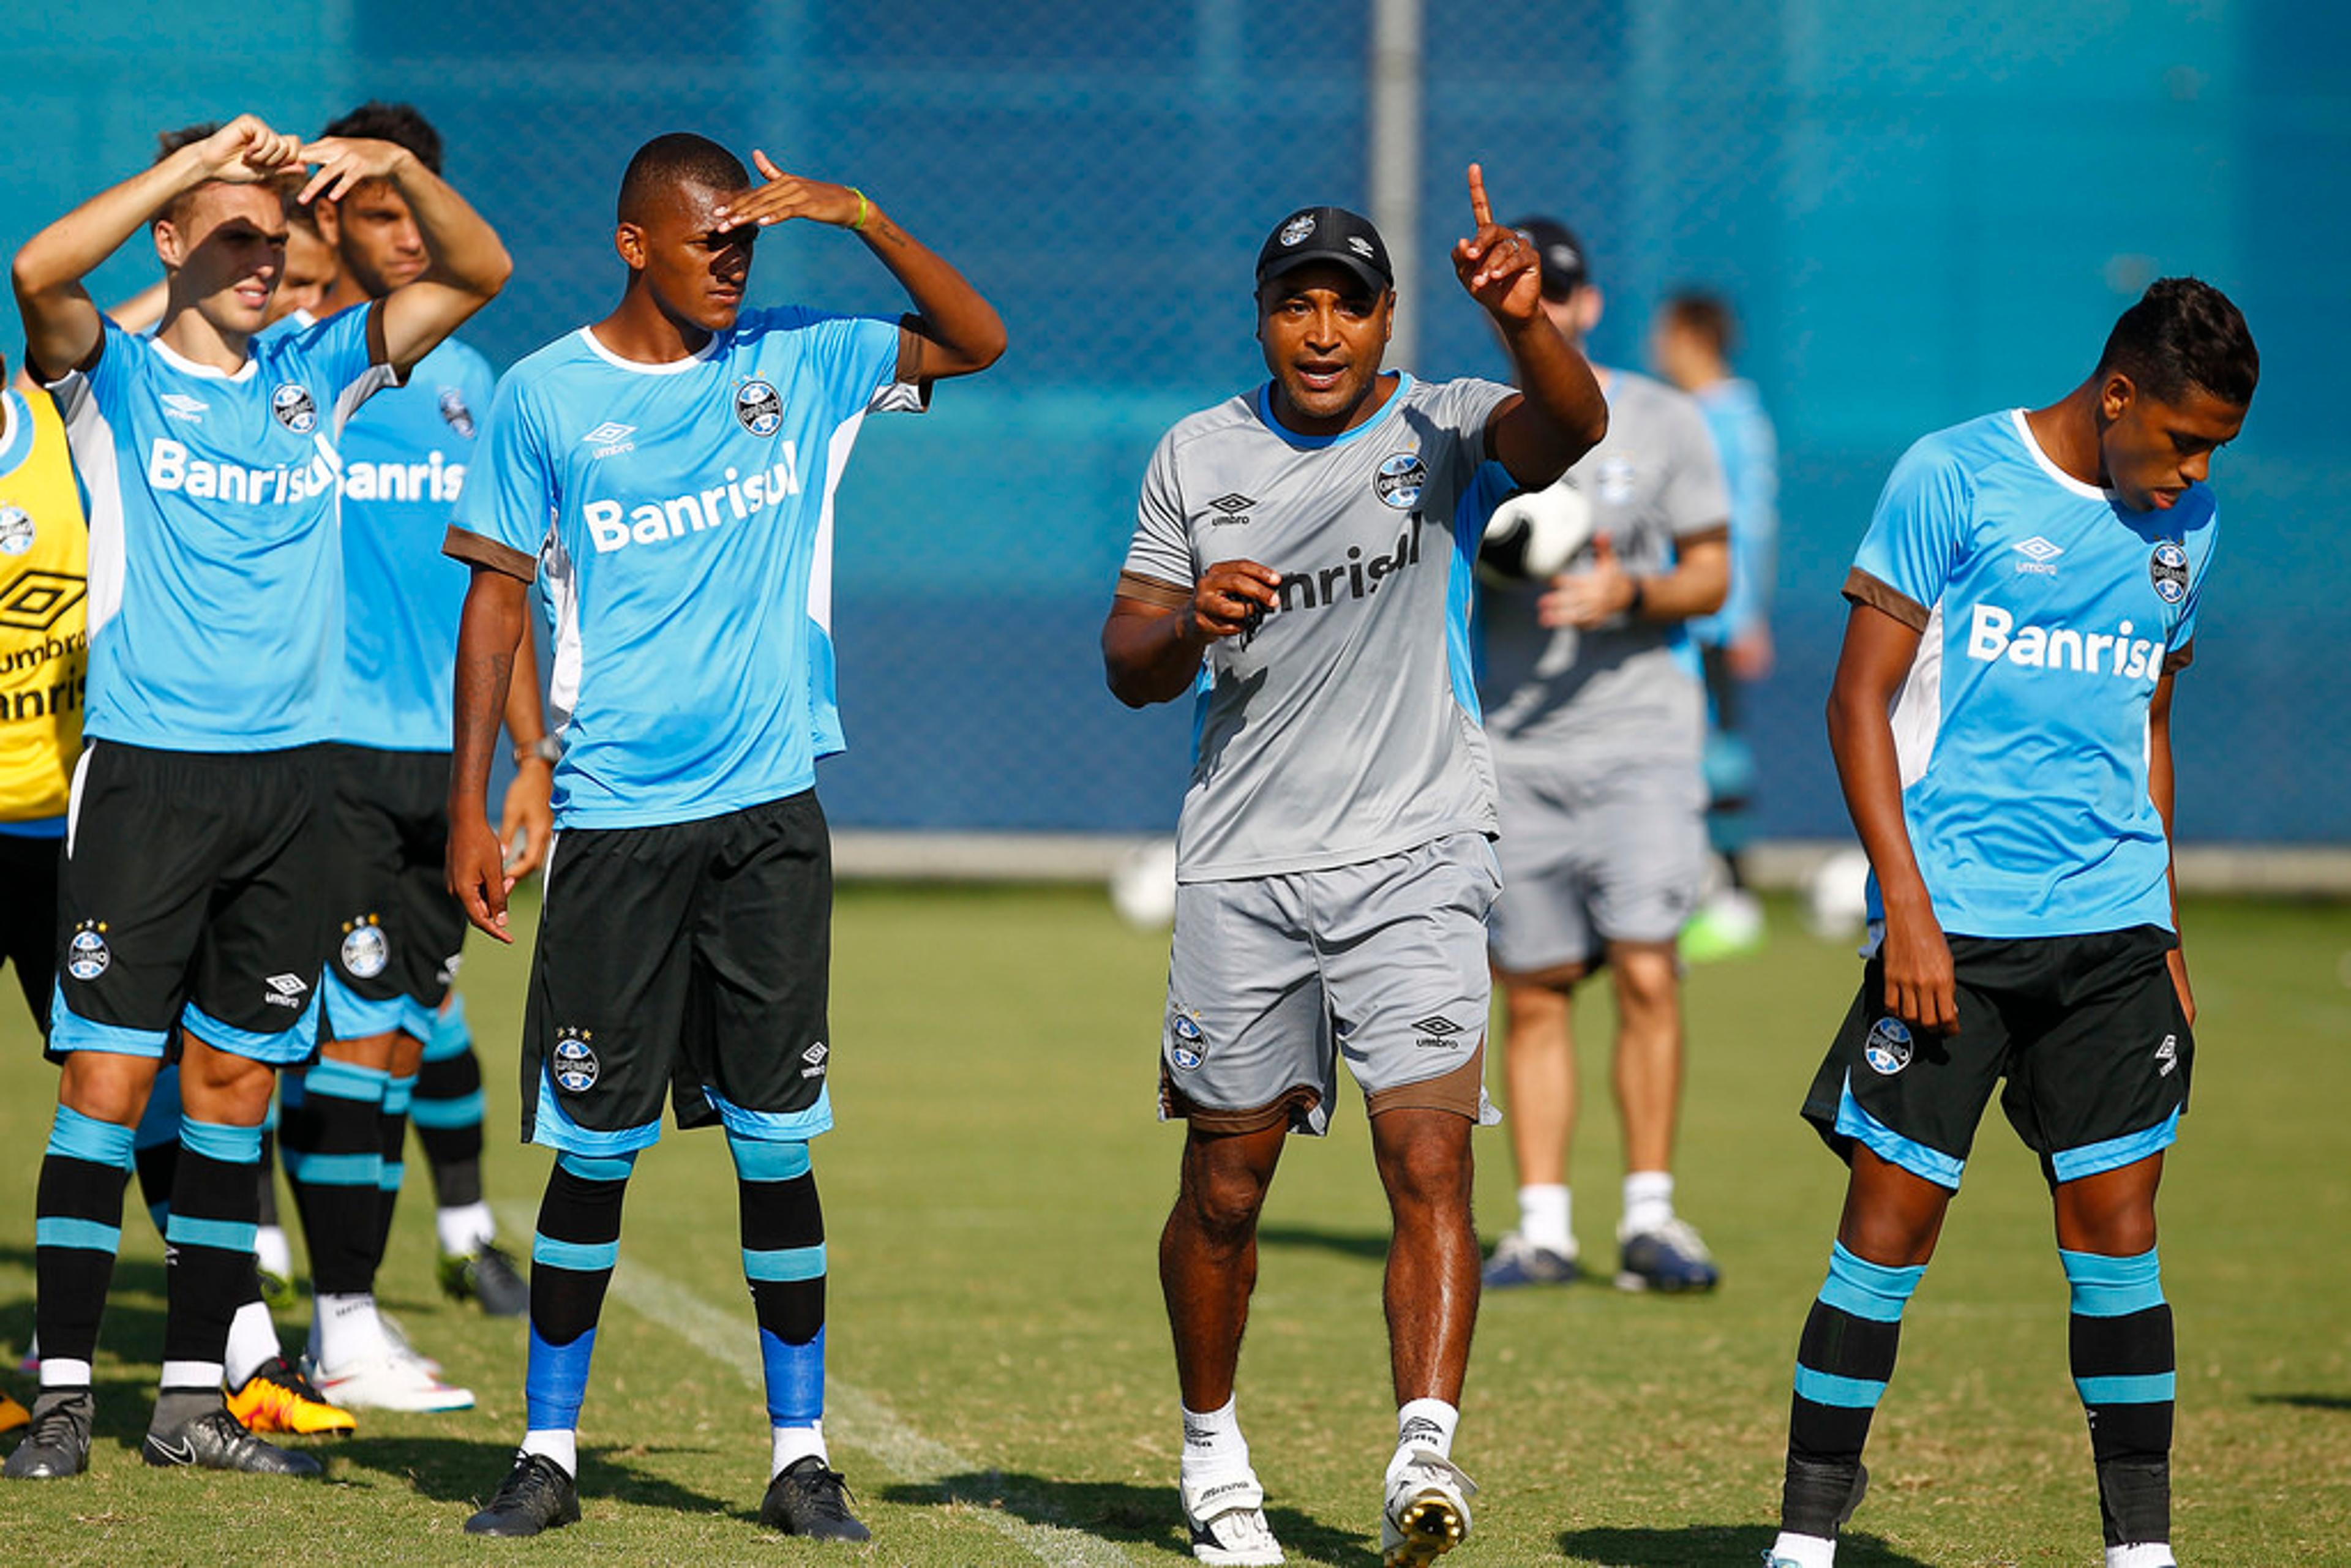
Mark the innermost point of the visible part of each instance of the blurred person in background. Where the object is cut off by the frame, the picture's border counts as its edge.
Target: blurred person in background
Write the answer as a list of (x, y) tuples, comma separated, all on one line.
[(1691, 339), (1597, 727)]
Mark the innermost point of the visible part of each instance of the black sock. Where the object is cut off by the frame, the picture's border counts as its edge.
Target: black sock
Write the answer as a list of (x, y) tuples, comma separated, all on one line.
[(783, 1258), (1843, 1365), (393, 1129), (208, 1244), (447, 1111), (571, 1257), (77, 1229), (333, 1144), (2124, 1368)]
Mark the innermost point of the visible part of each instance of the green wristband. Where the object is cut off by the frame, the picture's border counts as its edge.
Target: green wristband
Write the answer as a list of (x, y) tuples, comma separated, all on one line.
[(859, 225)]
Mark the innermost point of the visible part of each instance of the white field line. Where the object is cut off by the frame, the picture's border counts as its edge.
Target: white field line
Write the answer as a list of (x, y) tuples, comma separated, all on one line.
[(857, 1419)]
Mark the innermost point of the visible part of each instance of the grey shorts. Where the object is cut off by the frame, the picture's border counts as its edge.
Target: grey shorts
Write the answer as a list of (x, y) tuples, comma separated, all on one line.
[(1273, 978), (1614, 857)]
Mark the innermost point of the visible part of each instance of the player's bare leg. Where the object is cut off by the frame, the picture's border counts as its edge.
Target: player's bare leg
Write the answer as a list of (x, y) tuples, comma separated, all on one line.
[(1208, 1268), (1659, 1251), (1431, 1296), (1539, 1073)]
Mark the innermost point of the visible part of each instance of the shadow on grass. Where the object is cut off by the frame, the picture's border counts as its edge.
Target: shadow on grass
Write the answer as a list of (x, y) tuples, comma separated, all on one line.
[(1368, 1244), (466, 1470), (1121, 1510), (2306, 1401), (1691, 1545)]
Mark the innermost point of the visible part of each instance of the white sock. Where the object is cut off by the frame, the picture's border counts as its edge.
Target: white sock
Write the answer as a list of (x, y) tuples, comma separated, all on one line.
[(252, 1340), (347, 1330), (464, 1227), (57, 1371), (793, 1443), (1648, 1202), (2142, 1554), (1804, 1551), (1427, 1423), (179, 1375), (1546, 1217), (1213, 1444), (269, 1250), (560, 1444)]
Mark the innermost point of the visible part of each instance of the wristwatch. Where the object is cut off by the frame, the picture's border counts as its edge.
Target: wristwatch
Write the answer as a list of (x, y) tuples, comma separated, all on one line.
[(546, 749), (1640, 597)]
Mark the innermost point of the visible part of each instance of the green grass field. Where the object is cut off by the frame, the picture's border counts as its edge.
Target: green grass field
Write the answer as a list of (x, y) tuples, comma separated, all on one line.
[(1002, 1387)]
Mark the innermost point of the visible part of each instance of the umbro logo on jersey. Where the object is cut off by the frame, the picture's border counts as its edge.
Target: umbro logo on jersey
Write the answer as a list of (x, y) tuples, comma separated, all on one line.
[(180, 405), (2039, 556), (1994, 635), (610, 438), (285, 990), (1231, 508)]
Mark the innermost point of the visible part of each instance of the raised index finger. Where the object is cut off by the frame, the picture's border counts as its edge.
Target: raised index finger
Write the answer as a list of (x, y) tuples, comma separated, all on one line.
[(1479, 208)]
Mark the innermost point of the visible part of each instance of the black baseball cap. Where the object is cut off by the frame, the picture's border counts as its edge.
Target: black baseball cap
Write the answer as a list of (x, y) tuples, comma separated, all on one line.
[(1326, 233), (1564, 268)]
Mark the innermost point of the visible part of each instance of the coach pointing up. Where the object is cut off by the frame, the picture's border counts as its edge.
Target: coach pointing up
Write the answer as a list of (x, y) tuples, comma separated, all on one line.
[(1301, 563)]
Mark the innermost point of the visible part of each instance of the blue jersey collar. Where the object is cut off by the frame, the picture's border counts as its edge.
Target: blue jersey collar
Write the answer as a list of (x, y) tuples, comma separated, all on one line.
[(1311, 442)]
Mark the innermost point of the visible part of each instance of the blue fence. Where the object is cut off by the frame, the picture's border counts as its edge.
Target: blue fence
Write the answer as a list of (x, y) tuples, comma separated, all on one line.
[(1922, 212)]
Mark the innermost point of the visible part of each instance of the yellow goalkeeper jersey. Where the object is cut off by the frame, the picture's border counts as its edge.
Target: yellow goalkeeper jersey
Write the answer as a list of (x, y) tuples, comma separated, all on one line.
[(43, 631)]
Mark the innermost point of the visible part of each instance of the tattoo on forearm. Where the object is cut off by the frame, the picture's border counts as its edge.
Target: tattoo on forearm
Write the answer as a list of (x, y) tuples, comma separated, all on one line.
[(482, 681), (887, 233)]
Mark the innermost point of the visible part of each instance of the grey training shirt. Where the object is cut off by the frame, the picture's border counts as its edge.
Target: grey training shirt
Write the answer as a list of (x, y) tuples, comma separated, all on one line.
[(1343, 726), (1590, 700)]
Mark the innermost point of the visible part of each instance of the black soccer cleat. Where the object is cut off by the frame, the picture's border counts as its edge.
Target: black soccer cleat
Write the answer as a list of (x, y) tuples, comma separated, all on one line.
[(537, 1495), (58, 1445), (806, 1499), (217, 1441), (487, 1275)]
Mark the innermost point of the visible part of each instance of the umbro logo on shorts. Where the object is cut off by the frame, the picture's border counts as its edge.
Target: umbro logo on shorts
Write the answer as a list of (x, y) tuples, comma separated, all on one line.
[(815, 1056), (1436, 1032), (2167, 1053), (285, 990)]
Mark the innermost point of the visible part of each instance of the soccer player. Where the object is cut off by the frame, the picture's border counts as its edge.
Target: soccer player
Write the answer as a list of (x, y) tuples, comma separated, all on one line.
[(44, 655), (2001, 721), (396, 929), (188, 911), (671, 471), (1300, 566), (1596, 728), (1690, 340)]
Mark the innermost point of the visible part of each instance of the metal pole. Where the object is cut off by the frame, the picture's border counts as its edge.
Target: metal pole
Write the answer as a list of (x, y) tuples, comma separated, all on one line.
[(1396, 157)]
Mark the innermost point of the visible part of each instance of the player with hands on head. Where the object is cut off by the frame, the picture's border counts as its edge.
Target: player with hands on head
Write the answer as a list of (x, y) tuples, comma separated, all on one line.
[(1598, 728), (2023, 601), (1301, 564), (190, 912), (673, 465)]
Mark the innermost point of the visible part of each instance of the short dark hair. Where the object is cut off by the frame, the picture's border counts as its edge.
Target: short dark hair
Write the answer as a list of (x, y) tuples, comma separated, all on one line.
[(677, 157), (1706, 314), (2184, 333), (170, 142), (402, 124)]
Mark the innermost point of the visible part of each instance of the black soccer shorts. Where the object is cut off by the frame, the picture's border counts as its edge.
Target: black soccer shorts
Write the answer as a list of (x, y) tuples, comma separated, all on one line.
[(190, 896), (28, 916), (2086, 1029), (691, 957), (395, 931)]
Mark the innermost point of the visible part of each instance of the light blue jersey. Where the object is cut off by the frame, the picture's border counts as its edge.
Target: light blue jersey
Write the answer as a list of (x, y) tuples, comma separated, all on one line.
[(681, 516), (404, 462), (2047, 612), (215, 569), (1750, 449)]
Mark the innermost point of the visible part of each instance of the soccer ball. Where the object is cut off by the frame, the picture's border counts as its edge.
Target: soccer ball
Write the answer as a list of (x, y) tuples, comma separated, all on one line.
[(1534, 535), (1836, 896), (1143, 885)]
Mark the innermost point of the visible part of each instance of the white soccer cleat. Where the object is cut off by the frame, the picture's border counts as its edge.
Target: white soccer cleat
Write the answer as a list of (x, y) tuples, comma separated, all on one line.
[(1227, 1523), (1427, 1511), (390, 1382)]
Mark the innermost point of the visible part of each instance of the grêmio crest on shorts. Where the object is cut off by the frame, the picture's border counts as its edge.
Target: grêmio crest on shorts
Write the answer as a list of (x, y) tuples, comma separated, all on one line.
[(2047, 612)]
